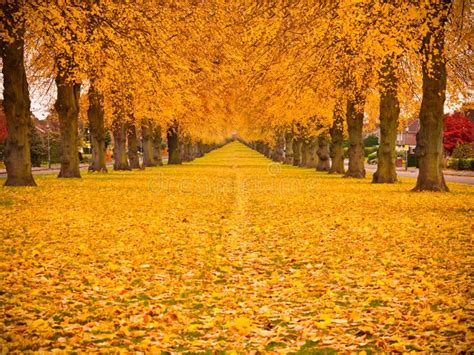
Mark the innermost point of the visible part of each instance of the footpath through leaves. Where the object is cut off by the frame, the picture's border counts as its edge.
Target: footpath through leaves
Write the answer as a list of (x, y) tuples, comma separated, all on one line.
[(232, 252)]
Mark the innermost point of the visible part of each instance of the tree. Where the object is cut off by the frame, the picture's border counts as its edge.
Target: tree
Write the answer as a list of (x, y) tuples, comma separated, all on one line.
[(119, 131), (95, 114), (16, 102), (174, 152), (67, 106), (337, 137), (38, 147), (133, 147), (147, 143), (429, 140), (389, 113), (355, 122), (458, 129), (323, 154), (3, 125)]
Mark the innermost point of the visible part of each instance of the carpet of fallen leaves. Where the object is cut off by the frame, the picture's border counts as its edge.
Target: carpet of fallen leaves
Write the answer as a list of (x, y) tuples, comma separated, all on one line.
[(232, 252)]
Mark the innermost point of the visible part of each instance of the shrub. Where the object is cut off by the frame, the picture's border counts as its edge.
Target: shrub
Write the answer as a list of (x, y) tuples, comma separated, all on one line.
[(38, 148), (463, 151), (369, 150), (371, 140), (453, 163), (372, 158), (346, 152), (461, 164)]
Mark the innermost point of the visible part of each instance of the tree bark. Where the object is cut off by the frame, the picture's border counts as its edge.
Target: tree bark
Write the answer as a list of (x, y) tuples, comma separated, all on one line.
[(297, 151), (16, 100), (304, 153), (157, 156), (185, 150), (174, 154), (133, 147), (147, 142), (313, 153), (67, 106), (389, 113), (355, 121), (120, 145), (278, 150), (323, 154), (429, 142), (266, 150), (337, 137), (288, 148), (95, 114)]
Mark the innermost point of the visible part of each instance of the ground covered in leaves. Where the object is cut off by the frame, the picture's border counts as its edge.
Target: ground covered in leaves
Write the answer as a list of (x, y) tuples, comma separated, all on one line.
[(233, 252)]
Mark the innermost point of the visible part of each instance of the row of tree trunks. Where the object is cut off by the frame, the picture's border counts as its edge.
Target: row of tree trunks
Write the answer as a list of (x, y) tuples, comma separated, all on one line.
[(297, 143), (288, 148), (67, 107), (174, 153), (119, 132), (389, 113), (132, 152), (355, 122), (337, 137), (323, 154), (95, 114), (157, 143), (313, 154), (429, 140), (304, 153), (278, 151), (147, 144), (16, 99)]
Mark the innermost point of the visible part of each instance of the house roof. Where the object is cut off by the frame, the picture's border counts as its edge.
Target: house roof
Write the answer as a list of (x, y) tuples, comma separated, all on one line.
[(413, 126)]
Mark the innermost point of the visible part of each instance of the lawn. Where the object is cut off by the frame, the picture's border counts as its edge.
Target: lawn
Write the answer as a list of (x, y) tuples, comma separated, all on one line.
[(233, 252)]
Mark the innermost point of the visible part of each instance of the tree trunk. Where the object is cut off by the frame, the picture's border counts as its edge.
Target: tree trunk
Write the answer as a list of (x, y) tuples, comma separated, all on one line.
[(199, 151), (16, 100), (174, 154), (157, 156), (323, 154), (120, 145), (95, 114), (337, 137), (429, 140), (288, 148), (67, 106), (266, 150), (296, 152), (389, 112), (355, 121), (304, 153), (147, 142), (133, 147), (313, 154), (185, 150), (278, 150)]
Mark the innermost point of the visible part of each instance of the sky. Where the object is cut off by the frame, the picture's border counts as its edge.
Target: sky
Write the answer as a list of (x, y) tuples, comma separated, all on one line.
[(42, 99)]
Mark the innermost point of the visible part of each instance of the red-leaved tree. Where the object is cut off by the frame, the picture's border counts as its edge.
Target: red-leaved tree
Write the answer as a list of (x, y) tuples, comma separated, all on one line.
[(457, 129), (3, 126)]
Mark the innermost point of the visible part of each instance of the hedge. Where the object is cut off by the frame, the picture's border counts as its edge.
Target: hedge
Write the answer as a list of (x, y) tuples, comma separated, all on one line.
[(461, 164)]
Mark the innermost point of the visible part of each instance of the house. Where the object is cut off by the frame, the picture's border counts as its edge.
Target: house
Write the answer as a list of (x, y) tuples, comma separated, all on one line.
[(407, 136)]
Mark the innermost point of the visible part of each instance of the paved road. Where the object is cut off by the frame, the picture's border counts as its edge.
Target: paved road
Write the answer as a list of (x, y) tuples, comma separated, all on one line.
[(450, 176), (55, 169)]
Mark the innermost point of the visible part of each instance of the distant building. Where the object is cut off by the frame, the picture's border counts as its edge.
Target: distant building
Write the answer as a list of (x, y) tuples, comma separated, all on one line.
[(408, 135)]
